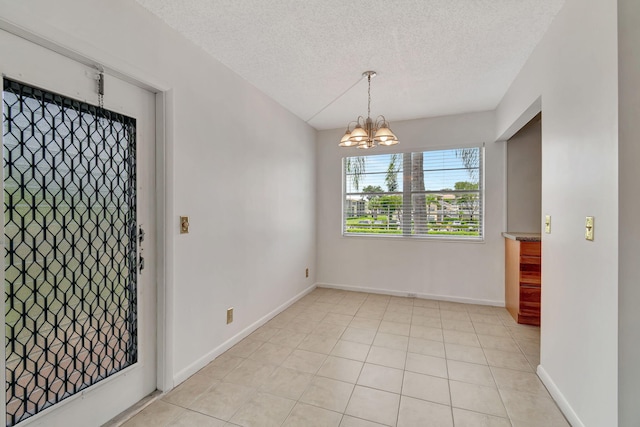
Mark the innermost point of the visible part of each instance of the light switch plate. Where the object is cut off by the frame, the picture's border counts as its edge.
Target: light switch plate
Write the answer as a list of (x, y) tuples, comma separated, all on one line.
[(184, 225), (589, 226), (547, 224)]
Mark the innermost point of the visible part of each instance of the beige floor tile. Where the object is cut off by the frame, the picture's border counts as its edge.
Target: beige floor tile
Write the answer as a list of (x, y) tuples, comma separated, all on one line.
[(351, 350), (195, 419), (394, 328), (465, 353), (485, 318), (397, 316), (398, 300), (534, 359), (370, 314), (250, 373), (374, 405), (287, 383), (312, 314), (453, 306), (271, 353), (304, 361), (287, 338), (381, 378), (311, 416), (426, 347), (321, 347), (507, 359), (509, 379), (498, 343), (220, 367), (426, 387), (397, 342), (349, 421), (454, 315), (364, 323), (420, 302), (187, 392), (301, 325), (477, 398), (362, 336), (328, 394), (470, 373), (318, 343), (428, 365), (491, 329), (338, 319), (263, 334), (387, 357), (416, 412), (461, 338), (329, 330), (427, 312), (425, 332), (532, 408), (464, 418), (458, 325), (244, 348), (528, 345), (263, 410), (158, 413), (341, 369), (431, 322), (399, 308), (223, 400), (346, 309)]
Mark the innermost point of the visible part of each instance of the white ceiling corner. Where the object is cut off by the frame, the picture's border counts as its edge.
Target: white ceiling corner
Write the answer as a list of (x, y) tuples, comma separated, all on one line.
[(433, 57)]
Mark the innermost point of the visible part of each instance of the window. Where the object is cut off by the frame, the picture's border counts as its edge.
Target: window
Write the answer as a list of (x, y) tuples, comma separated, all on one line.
[(429, 194)]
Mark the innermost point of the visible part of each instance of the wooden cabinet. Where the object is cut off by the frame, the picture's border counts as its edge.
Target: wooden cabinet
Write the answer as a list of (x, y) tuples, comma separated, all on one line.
[(522, 280)]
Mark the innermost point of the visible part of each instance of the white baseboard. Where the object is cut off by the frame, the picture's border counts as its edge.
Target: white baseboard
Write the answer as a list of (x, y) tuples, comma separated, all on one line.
[(408, 293), (207, 358), (557, 395)]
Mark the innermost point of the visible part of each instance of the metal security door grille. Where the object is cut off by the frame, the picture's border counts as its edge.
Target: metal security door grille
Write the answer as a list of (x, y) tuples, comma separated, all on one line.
[(70, 236)]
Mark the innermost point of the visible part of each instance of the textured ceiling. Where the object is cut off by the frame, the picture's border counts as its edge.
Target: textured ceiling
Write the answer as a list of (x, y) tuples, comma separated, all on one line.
[(433, 57)]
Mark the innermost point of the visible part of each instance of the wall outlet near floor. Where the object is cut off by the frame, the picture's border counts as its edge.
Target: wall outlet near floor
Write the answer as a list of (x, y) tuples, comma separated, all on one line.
[(306, 272), (229, 315), (412, 295)]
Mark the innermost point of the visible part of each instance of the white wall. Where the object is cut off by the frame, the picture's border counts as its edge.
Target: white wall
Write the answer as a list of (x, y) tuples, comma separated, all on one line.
[(452, 270), (574, 70), (524, 179), (243, 170), (629, 226)]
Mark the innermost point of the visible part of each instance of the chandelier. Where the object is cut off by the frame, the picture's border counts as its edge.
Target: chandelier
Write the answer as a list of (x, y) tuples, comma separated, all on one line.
[(367, 133)]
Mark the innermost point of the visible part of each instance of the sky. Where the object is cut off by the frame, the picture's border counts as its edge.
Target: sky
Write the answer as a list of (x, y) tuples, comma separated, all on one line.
[(442, 169)]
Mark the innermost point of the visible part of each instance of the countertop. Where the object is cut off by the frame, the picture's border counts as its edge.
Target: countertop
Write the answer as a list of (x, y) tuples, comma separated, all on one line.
[(523, 237)]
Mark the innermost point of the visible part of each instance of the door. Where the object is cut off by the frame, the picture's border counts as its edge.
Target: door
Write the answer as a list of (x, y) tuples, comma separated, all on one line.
[(80, 289)]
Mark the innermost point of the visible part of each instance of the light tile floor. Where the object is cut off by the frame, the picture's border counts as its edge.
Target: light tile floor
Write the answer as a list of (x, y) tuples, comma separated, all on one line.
[(350, 359)]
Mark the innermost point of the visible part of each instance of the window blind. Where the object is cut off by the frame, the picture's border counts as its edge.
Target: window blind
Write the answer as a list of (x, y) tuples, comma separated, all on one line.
[(431, 194)]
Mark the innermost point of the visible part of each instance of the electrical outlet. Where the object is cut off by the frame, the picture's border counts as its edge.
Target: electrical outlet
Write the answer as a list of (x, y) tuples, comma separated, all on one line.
[(229, 315), (306, 272)]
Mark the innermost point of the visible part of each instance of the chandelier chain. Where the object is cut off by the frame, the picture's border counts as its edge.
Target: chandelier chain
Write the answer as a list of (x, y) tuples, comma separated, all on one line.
[(369, 92)]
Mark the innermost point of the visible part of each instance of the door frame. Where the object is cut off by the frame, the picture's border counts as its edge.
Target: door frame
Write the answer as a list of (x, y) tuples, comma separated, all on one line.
[(77, 50)]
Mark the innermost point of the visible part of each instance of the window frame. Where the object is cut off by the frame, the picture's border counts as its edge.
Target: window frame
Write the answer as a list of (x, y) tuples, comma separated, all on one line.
[(420, 237)]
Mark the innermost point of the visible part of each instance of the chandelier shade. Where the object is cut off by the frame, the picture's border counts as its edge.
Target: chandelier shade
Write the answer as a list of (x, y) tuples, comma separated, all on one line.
[(366, 132)]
